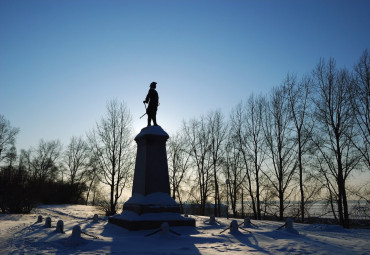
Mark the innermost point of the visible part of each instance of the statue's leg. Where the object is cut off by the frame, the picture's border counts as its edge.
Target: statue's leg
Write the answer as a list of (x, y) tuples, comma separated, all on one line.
[(149, 120), (155, 120), (155, 117)]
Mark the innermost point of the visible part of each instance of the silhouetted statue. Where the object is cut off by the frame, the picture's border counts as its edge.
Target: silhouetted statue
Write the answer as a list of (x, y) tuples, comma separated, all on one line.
[(152, 98)]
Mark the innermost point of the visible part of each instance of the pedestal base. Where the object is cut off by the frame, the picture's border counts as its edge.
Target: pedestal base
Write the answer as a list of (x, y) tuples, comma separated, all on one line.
[(157, 202), (148, 212), (150, 221), (140, 209)]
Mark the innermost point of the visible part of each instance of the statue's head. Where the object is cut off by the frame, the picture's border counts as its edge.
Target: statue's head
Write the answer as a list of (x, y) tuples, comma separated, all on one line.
[(153, 85)]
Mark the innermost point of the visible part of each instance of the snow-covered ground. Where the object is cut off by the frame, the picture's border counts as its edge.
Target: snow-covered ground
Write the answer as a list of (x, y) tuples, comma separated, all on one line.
[(20, 234)]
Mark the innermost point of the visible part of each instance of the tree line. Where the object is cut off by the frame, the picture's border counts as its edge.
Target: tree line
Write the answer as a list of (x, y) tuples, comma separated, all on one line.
[(301, 142), (88, 168)]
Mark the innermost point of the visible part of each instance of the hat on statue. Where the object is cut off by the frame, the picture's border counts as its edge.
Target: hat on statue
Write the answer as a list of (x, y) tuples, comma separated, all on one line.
[(153, 84)]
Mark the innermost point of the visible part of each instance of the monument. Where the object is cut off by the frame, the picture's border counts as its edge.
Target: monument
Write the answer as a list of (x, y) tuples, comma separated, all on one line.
[(151, 204)]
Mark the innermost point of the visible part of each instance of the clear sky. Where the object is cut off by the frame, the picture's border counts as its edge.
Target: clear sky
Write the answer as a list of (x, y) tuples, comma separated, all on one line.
[(62, 61)]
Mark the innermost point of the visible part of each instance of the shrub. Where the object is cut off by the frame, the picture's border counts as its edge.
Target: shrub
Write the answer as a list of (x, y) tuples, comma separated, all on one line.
[(19, 192)]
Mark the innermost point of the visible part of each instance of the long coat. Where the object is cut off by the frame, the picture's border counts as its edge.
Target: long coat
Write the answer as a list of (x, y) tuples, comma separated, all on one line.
[(152, 98)]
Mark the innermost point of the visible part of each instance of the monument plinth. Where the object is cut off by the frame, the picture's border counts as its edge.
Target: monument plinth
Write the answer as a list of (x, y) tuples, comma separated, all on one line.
[(151, 204)]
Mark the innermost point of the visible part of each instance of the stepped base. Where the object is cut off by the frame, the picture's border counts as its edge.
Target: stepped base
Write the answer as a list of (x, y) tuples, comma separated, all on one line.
[(133, 221), (141, 209)]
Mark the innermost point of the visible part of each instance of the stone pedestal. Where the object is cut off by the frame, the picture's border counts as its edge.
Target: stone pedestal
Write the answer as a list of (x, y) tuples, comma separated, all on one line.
[(151, 204)]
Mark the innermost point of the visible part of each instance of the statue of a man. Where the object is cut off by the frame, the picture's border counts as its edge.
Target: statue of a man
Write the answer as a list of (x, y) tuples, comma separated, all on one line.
[(152, 98)]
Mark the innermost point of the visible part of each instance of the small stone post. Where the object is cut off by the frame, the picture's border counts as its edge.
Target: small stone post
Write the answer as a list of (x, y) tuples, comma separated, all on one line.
[(48, 222), (289, 223), (165, 228), (60, 227), (76, 231), (247, 223), (212, 220), (234, 228), (289, 226), (96, 218)]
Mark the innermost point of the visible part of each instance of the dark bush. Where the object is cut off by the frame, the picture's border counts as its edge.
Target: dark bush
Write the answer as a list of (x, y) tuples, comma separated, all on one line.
[(15, 193), (19, 193), (62, 193)]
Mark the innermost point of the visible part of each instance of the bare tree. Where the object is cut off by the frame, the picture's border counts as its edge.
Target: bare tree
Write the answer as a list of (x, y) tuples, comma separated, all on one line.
[(234, 172), (111, 145), (11, 156), (298, 95), (280, 144), (335, 131), (218, 133), (76, 157), (198, 143), (44, 160), (361, 106), (255, 142), (179, 164), (7, 136), (239, 133), (325, 178), (92, 181), (25, 160)]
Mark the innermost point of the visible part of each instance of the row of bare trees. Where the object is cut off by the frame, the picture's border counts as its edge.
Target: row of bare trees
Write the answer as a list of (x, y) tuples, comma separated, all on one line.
[(103, 159), (302, 142)]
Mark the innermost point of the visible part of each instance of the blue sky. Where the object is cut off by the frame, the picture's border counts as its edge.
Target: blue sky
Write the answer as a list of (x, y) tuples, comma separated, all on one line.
[(62, 61)]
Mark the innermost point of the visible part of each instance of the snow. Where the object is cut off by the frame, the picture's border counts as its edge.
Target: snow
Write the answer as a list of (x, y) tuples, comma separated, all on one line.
[(22, 234)]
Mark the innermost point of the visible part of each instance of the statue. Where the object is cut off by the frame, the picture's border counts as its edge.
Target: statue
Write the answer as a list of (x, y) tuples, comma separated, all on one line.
[(152, 98)]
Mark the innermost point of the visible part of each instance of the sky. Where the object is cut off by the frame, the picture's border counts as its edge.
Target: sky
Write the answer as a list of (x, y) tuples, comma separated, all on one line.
[(61, 62)]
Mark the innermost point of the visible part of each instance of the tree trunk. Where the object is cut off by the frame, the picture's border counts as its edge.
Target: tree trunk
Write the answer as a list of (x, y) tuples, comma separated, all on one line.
[(216, 194), (345, 206), (94, 194), (219, 203), (342, 205), (173, 178), (281, 205), (301, 176), (281, 191), (112, 209), (339, 201), (250, 186), (180, 202), (257, 186), (88, 192), (332, 205), (242, 204), (258, 199), (253, 201), (234, 200)]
